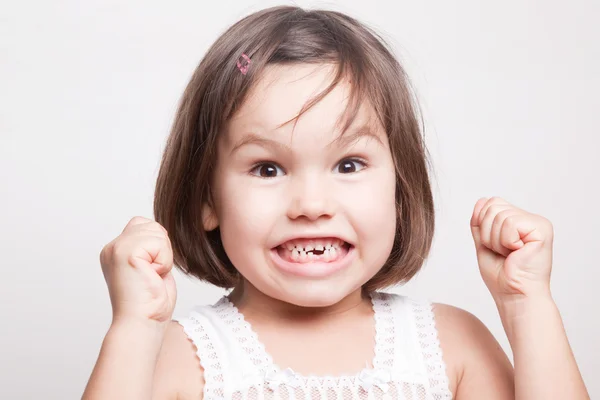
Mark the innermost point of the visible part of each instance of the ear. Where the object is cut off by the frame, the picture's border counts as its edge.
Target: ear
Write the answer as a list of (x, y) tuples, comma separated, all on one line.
[(209, 218)]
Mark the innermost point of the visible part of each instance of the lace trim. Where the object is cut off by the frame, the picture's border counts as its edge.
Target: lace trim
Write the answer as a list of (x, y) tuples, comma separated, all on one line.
[(383, 360), (427, 335), (245, 335), (377, 381), (209, 359), (384, 331)]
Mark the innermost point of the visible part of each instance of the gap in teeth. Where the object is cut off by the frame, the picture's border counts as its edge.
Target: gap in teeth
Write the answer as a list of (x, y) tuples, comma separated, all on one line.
[(313, 249), (314, 246), (301, 255)]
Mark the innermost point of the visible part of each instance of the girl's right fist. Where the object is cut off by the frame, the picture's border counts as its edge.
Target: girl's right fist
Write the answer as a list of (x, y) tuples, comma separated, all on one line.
[(137, 268)]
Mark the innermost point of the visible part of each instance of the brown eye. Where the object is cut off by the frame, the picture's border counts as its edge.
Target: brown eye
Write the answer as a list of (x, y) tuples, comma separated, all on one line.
[(266, 170), (349, 166)]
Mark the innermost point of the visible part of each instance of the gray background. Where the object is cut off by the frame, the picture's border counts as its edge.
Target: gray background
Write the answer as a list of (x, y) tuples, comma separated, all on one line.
[(88, 91)]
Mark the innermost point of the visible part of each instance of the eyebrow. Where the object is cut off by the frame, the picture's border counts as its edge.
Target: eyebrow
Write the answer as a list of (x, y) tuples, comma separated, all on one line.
[(342, 141), (346, 139), (252, 138)]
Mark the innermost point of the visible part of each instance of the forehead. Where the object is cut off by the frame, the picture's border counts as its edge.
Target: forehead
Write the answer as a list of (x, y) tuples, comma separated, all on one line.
[(282, 92)]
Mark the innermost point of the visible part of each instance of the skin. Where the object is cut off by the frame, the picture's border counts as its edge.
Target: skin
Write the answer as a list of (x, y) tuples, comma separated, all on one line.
[(308, 195)]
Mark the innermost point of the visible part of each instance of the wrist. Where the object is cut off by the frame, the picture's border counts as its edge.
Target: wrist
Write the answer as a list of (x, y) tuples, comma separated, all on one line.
[(516, 306), (141, 329), (138, 323), (521, 313)]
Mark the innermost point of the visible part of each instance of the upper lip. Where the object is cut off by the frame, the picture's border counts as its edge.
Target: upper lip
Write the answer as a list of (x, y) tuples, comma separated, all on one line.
[(314, 235)]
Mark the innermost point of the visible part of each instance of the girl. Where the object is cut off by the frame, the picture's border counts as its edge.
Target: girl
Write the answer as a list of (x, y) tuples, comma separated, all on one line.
[(296, 175)]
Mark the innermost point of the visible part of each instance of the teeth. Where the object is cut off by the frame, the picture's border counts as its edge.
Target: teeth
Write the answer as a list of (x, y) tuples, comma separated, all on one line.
[(331, 252), (295, 255), (297, 248)]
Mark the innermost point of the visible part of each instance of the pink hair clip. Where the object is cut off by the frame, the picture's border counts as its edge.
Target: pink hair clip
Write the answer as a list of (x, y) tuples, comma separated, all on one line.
[(243, 63)]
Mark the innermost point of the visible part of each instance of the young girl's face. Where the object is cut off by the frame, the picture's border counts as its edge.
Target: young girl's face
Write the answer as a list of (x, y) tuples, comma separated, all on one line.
[(304, 218)]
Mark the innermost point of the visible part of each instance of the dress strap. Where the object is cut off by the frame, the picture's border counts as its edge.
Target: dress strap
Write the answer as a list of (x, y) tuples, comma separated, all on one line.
[(426, 343), (215, 349)]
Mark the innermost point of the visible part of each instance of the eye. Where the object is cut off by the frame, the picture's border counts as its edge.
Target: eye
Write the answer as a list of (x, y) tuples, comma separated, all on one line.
[(267, 170), (350, 165)]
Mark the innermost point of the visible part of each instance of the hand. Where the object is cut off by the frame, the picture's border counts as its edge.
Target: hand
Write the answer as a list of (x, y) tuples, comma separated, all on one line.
[(514, 249), (137, 268)]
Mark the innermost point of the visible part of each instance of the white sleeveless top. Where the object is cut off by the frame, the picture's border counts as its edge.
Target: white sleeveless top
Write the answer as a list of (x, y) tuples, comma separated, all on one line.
[(407, 365)]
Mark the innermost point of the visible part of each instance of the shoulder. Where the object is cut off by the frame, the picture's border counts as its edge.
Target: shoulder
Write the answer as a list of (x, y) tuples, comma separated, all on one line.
[(178, 374), (475, 361)]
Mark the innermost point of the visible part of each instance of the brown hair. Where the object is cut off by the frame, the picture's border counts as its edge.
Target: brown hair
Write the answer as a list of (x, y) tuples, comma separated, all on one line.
[(217, 89)]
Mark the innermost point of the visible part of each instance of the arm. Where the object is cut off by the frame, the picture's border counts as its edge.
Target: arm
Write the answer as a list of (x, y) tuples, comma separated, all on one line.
[(545, 367), (476, 365), (514, 252), (137, 268), (171, 371), (125, 366), (178, 373)]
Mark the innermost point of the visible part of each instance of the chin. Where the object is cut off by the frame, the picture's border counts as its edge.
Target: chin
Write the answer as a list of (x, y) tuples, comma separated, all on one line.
[(314, 294)]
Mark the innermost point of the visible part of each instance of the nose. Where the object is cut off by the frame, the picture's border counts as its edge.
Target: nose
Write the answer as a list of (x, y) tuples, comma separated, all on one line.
[(310, 199)]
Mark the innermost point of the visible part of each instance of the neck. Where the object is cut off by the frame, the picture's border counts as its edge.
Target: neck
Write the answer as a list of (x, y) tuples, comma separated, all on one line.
[(252, 302)]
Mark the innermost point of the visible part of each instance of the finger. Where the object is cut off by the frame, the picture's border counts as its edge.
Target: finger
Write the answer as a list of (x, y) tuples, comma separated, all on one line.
[(477, 211), (475, 231), (490, 202), (150, 228), (475, 222), (518, 230), (488, 221), (137, 220), (154, 251), (496, 238), (148, 276)]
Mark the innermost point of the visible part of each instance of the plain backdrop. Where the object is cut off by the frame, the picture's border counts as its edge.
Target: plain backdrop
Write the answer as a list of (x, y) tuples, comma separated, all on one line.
[(88, 90)]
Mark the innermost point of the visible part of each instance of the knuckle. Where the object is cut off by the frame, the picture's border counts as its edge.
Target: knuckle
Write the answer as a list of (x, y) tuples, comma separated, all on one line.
[(103, 256), (107, 250), (495, 209), (161, 227), (498, 217), (549, 226), (157, 227), (496, 199), (120, 250), (544, 220), (510, 221), (137, 220)]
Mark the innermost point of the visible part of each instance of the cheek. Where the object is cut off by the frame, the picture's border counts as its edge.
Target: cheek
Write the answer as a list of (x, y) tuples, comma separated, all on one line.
[(246, 213), (374, 216)]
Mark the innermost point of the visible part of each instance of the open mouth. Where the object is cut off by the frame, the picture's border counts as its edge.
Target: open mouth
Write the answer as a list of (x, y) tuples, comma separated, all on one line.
[(313, 250)]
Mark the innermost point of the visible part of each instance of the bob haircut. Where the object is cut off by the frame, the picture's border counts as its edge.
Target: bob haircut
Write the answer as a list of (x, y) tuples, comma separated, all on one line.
[(291, 35)]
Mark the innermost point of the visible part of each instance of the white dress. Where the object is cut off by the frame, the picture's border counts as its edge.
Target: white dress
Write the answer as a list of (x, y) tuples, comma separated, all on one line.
[(408, 362)]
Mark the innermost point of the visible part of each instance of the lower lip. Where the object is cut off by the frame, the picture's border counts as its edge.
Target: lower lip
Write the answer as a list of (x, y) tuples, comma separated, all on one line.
[(318, 269)]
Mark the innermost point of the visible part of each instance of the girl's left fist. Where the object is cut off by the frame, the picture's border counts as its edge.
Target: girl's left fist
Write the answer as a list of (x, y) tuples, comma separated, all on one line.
[(514, 249)]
